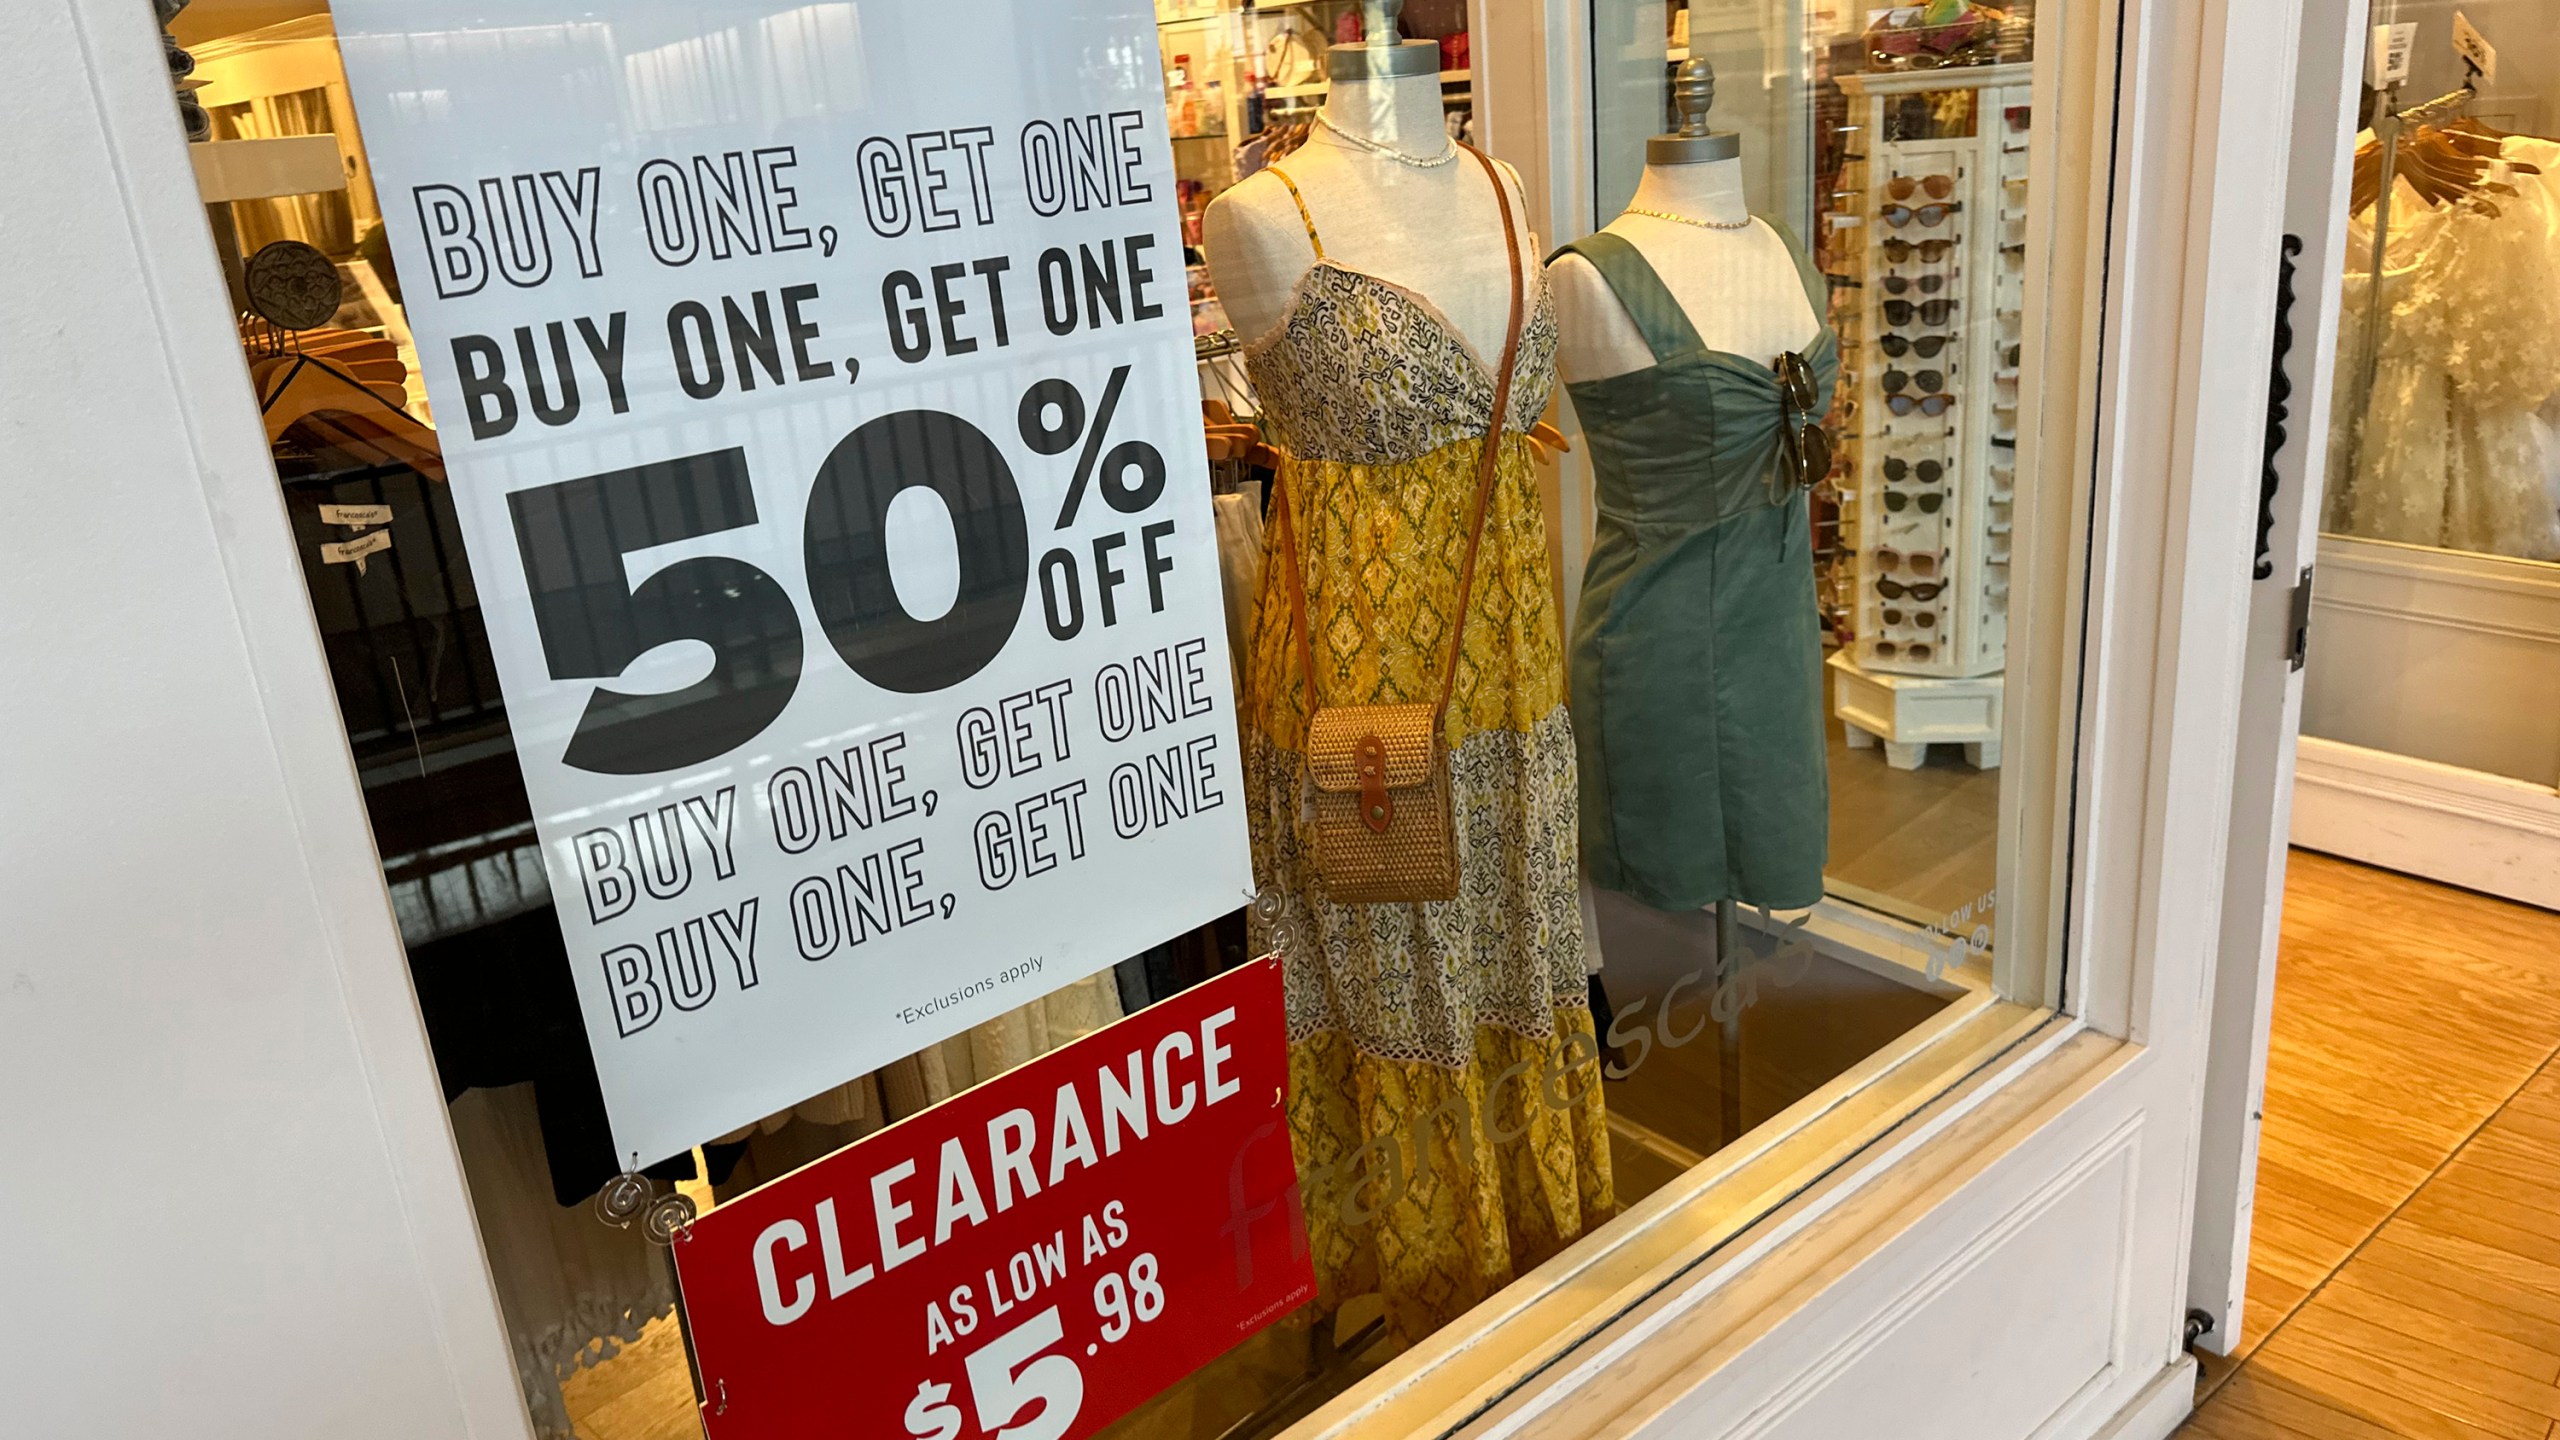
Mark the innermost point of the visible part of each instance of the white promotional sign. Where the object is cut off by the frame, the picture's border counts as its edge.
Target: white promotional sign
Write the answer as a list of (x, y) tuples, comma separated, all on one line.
[(816, 385)]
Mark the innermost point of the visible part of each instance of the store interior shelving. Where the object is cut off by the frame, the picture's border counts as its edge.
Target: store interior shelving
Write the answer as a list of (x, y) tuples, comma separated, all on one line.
[(1235, 69)]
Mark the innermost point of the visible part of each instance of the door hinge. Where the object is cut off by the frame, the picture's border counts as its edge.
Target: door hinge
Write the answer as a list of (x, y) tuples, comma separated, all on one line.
[(2297, 642)]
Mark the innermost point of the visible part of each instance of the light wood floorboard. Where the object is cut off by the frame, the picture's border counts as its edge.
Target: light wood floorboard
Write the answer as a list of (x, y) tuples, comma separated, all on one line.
[(2404, 1271), (1922, 843)]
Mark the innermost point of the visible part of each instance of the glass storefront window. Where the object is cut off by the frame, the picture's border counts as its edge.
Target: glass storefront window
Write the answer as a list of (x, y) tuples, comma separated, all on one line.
[(1724, 624), (2442, 509), (1888, 154)]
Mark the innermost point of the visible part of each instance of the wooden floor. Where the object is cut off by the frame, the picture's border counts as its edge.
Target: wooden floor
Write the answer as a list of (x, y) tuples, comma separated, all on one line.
[(1921, 844), (2404, 1275)]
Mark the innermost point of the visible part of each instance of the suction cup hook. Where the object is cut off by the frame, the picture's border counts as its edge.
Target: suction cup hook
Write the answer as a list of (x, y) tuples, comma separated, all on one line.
[(625, 1197), (669, 1218)]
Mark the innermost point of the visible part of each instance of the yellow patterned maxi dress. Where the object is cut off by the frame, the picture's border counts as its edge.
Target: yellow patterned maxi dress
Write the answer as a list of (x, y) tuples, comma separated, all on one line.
[(1444, 1086)]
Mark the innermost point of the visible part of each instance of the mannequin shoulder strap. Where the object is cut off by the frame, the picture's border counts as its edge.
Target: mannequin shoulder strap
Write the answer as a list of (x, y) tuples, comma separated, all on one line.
[(1817, 291), (1641, 293), (1304, 218)]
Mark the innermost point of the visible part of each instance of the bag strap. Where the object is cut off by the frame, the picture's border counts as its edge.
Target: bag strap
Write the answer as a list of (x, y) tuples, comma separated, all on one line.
[(1488, 457)]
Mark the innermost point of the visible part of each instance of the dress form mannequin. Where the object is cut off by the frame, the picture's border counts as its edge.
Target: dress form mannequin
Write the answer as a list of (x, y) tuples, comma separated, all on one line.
[(1738, 286), (1434, 230)]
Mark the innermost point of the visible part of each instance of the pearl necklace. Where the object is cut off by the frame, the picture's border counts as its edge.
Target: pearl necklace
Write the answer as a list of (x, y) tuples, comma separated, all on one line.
[(1448, 152), (1742, 224)]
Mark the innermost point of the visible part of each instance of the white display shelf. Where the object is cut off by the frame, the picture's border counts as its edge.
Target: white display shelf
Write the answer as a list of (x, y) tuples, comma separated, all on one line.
[(1907, 714), (1975, 440)]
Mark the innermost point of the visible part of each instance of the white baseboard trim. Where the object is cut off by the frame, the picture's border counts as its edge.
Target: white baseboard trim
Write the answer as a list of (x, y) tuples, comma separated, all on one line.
[(2163, 1405), (2462, 827)]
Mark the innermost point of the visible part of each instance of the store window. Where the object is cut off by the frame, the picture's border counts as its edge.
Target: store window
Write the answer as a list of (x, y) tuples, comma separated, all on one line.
[(2442, 512), (1704, 661)]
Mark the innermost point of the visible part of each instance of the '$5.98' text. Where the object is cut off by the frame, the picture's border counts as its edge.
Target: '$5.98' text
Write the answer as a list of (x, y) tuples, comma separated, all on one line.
[(1021, 1391)]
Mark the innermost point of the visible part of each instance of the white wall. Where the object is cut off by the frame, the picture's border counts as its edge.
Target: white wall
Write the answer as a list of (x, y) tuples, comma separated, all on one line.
[(2436, 654), (2528, 44), (216, 1219)]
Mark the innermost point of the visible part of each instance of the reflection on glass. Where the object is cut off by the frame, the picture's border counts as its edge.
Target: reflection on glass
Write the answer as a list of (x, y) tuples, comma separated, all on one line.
[(1754, 945), (2442, 505), (1888, 151)]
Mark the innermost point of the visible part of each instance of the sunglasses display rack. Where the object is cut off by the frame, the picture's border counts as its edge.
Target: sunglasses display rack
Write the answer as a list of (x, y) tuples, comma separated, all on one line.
[(1926, 247)]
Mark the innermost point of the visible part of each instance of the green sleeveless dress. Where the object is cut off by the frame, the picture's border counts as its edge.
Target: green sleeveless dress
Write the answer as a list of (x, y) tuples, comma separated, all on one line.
[(1696, 669)]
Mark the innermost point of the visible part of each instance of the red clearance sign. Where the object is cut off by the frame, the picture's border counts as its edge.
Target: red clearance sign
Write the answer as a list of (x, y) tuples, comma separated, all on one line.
[(1029, 1260)]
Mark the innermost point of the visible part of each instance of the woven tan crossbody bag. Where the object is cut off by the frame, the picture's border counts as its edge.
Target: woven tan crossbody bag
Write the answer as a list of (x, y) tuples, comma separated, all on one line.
[(1384, 828)]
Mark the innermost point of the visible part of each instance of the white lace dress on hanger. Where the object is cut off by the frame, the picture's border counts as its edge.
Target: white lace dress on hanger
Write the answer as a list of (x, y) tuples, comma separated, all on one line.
[(2450, 454)]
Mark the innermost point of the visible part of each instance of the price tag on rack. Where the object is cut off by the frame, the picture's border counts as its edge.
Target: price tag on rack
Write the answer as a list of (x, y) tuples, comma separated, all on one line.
[(2474, 48), (820, 410), (2386, 60), (1029, 1260)]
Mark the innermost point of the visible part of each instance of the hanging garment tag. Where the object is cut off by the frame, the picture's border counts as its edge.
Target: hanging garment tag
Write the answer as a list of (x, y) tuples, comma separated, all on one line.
[(2386, 61), (355, 517), (2475, 51), (352, 552)]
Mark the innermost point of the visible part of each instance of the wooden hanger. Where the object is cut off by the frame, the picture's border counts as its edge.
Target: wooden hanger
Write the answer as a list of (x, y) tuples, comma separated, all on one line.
[(388, 379), (345, 412), (2439, 175), (2446, 164)]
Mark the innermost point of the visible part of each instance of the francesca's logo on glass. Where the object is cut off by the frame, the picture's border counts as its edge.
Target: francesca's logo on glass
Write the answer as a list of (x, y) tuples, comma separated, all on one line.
[(1033, 1258), (819, 408), (1962, 933), (1368, 1182)]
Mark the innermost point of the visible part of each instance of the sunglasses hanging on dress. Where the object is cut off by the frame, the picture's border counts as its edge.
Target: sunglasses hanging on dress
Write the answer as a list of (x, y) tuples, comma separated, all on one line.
[(1803, 449)]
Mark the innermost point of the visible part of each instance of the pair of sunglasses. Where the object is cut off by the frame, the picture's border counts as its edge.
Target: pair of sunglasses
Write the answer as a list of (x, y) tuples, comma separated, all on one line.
[(1903, 187), (1917, 619), (1927, 346), (1895, 381), (1898, 501), (1916, 649), (1918, 562), (1930, 312), (1803, 448), (1893, 589), (1933, 213), (1932, 405), (1897, 470), (1929, 284), (1929, 251)]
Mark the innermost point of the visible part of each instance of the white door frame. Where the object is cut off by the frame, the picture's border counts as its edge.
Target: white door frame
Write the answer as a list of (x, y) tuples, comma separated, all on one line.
[(248, 1219), (2321, 90)]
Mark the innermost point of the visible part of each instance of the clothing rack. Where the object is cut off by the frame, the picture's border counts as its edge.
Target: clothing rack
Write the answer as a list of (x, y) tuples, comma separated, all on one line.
[(2386, 133)]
